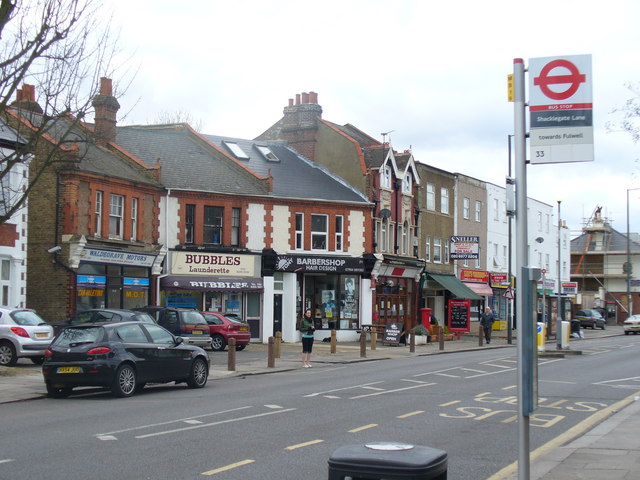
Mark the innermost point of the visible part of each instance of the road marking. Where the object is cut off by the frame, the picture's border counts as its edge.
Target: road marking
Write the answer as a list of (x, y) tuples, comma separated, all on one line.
[(193, 422), (447, 375), (332, 397), (273, 406), (141, 427), (212, 424), (342, 389), (391, 391), (411, 381), (449, 403), (7, 460), (410, 414), (510, 387), (301, 445), (377, 389), (364, 427), (106, 437), (228, 467)]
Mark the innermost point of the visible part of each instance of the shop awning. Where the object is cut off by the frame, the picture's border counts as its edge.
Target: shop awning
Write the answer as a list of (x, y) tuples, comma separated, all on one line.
[(455, 286), (480, 288), (214, 284)]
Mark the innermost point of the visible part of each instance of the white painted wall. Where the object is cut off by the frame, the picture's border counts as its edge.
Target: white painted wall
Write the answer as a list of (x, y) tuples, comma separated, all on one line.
[(256, 225)]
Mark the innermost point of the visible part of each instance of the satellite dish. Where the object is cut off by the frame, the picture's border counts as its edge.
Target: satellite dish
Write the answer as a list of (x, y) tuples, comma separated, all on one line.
[(385, 213)]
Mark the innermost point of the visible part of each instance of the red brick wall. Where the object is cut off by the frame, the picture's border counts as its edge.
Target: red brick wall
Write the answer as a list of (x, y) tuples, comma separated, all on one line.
[(8, 234)]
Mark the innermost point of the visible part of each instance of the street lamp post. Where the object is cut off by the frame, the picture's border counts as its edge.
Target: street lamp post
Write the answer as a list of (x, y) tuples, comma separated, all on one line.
[(628, 267), (560, 311)]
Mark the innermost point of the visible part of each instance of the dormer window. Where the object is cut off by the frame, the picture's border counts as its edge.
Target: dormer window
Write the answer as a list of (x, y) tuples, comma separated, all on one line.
[(267, 153), (236, 150), (406, 184), (385, 177)]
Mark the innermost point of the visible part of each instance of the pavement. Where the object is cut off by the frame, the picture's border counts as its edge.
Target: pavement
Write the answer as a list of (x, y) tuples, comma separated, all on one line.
[(605, 446)]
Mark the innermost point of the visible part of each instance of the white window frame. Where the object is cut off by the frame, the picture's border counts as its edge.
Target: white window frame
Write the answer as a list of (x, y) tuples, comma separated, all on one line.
[(478, 210), (299, 235), (5, 281), (446, 252), (431, 197), (405, 237), (427, 249), (339, 233), (321, 236), (98, 213), (437, 250), (236, 220), (406, 183), (385, 177), (384, 235), (134, 219), (466, 207), (496, 211), (444, 200), (116, 216)]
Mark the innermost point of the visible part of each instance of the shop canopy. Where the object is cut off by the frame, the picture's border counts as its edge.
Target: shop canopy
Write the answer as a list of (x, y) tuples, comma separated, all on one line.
[(214, 284), (480, 288), (455, 286)]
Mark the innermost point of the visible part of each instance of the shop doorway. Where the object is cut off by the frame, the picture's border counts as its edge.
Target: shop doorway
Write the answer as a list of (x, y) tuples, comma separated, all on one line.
[(277, 312)]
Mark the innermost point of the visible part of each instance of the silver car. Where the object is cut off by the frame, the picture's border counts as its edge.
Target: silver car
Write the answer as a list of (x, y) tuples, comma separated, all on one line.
[(23, 334)]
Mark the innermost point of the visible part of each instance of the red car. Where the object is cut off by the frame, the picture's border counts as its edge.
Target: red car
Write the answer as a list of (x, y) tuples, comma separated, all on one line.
[(222, 328)]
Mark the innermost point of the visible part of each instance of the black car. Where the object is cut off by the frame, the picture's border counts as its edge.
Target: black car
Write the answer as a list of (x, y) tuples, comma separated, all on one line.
[(591, 318), (122, 356), (95, 315), (182, 322)]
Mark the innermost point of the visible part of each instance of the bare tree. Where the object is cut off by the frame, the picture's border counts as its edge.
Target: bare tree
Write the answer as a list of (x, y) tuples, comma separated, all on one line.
[(52, 54), (178, 116), (630, 113)]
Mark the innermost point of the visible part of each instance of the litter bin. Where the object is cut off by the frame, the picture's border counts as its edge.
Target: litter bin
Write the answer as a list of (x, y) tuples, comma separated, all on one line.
[(564, 340), (542, 336), (389, 461)]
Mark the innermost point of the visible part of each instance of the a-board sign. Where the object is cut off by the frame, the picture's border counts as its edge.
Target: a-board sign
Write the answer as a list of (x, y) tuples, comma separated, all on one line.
[(393, 332), (459, 316)]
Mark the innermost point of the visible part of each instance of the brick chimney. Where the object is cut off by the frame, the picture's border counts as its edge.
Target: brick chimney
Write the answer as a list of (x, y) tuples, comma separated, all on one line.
[(26, 99), (300, 124), (106, 106)]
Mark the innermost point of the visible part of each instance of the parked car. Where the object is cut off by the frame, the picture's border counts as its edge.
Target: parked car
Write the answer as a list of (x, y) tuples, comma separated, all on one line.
[(591, 319), (23, 334), (183, 322), (222, 328), (96, 315), (122, 356), (632, 325)]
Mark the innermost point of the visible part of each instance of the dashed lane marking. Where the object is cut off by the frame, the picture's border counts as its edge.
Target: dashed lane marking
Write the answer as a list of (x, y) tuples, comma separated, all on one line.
[(410, 414), (228, 467), (364, 427), (301, 445), (391, 391), (363, 385), (7, 460)]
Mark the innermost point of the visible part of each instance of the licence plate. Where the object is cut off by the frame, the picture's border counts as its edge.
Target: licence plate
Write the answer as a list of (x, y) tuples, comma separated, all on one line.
[(42, 335), (68, 370), (197, 332), (243, 329)]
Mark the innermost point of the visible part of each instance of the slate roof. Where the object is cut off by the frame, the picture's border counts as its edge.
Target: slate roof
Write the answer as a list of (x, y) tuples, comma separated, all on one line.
[(294, 176), (613, 241), (9, 137), (199, 162)]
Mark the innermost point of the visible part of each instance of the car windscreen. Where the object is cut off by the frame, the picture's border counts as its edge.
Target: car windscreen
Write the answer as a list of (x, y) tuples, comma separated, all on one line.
[(70, 337), (26, 317), (143, 317), (193, 318)]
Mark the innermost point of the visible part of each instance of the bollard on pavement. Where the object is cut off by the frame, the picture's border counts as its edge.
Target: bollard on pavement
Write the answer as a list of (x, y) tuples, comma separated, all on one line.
[(441, 338), (334, 341), (480, 335), (231, 355), (278, 342), (374, 337), (363, 344), (271, 360), (412, 340)]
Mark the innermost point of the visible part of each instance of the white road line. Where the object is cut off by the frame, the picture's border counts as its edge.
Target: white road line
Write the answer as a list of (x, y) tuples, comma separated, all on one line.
[(212, 424), (447, 375), (411, 381), (373, 388), (392, 391), (7, 460), (141, 427), (342, 389)]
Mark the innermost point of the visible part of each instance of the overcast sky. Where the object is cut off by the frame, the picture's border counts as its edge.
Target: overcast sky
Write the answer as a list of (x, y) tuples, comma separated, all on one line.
[(433, 73)]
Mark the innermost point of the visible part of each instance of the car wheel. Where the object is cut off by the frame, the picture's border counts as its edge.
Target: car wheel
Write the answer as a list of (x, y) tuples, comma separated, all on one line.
[(37, 360), (8, 356), (627, 333), (239, 348), (124, 384), (199, 374), (58, 392), (218, 343), (604, 326)]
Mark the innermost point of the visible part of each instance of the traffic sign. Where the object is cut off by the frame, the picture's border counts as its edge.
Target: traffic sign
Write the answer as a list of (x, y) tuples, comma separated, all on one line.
[(543, 271), (508, 294), (561, 109)]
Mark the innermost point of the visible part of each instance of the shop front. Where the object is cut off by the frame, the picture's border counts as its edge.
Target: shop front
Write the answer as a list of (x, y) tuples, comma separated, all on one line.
[(502, 298), (110, 278), (221, 282), (478, 282), (397, 286), (439, 289), (336, 289)]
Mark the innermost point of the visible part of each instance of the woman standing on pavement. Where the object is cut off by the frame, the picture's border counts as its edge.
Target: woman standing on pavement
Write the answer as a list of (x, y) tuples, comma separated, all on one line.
[(307, 328)]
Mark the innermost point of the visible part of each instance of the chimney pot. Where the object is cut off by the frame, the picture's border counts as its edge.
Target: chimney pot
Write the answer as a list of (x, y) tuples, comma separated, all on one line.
[(313, 97), (105, 86), (291, 102), (297, 99), (305, 97)]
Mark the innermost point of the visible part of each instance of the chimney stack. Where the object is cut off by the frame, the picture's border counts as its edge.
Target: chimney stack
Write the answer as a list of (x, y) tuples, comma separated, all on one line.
[(301, 123), (107, 107), (26, 99)]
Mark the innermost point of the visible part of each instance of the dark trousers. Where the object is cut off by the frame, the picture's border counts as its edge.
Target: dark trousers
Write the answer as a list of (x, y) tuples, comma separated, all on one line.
[(487, 332)]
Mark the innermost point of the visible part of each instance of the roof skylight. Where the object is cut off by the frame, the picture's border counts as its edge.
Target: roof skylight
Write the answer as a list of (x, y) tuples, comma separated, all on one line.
[(267, 153), (236, 150)]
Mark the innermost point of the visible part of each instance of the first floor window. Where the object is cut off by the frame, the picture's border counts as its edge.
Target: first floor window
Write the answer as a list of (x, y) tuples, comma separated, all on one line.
[(437, 250), (299, 231), (319, 232), (212, 228), (189, 223), (5, 283), (235, 227), (115, 216), (98, 214), (465, 208), (134, 219), (427, 253), (339, 232)]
